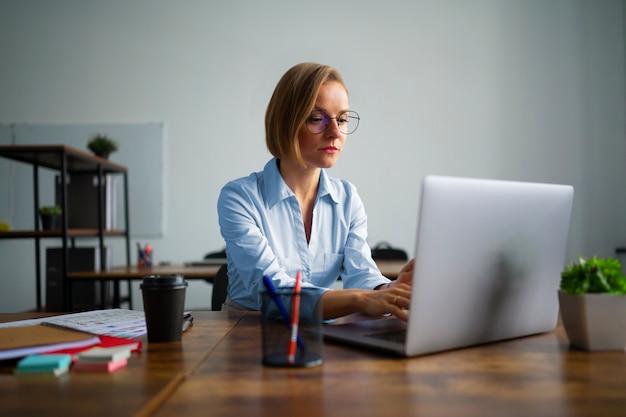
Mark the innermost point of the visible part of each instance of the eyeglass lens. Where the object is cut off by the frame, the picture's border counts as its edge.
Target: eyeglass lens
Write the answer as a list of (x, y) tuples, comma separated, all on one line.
[(319, 121)]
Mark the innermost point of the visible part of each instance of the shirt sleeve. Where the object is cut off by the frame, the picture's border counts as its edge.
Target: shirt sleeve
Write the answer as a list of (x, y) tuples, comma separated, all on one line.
[(359, 269)]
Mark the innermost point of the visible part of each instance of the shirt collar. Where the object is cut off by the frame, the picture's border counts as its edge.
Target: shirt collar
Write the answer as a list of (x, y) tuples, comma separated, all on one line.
[(276, 190), (327, 187)]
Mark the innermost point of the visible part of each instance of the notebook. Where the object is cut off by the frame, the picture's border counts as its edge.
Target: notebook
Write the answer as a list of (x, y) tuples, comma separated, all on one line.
[(488, 258)]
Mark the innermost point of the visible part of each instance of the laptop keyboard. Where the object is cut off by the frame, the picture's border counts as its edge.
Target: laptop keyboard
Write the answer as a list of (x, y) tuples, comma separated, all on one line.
[(393, 336)]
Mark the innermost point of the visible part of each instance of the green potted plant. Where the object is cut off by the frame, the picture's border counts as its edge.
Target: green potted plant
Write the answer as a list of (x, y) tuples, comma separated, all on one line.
[(50, 217), (102, 146), (592, 300)]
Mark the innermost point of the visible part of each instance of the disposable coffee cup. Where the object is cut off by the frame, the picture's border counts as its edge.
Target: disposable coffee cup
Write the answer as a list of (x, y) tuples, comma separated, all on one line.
[(276, 311), (163, 304)]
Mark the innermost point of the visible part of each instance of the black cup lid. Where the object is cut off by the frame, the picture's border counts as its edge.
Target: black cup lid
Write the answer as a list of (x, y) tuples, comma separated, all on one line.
[(157, 282)]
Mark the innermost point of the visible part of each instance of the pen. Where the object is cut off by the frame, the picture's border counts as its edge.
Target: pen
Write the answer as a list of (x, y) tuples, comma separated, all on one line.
[(295, 319), (144, 258), (147, 255), (187, 322), (283, 311)]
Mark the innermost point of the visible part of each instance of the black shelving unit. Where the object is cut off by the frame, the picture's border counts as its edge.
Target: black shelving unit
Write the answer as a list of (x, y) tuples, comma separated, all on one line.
[(66, 161)]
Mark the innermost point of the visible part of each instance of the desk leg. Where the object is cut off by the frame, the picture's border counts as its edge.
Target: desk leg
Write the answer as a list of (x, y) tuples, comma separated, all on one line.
[(130, 294), (116, 294), (103, 294)]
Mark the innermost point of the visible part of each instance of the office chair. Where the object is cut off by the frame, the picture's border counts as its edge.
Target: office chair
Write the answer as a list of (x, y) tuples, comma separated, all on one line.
[(216, 255), (220, 281), (220, 288)]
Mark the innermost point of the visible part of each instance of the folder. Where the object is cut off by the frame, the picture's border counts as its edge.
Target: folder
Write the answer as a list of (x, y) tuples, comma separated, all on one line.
[(19, 341)]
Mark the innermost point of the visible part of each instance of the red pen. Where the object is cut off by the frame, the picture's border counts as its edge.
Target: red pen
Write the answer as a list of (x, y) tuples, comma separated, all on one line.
[(295, 319)]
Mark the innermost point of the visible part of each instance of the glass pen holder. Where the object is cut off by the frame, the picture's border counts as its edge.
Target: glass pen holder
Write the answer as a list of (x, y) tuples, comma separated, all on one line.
[(144, 258), (306, 346)]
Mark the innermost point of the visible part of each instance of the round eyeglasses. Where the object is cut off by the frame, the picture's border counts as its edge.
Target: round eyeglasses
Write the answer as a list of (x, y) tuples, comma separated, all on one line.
[(318, 121)]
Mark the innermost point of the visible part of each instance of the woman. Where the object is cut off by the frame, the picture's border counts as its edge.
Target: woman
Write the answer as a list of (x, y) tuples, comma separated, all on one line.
[(293, 216)]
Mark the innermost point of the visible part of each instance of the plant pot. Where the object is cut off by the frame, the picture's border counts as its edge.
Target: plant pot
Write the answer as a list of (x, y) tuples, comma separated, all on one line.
[(594, 321), (50, 221), (103, 155)]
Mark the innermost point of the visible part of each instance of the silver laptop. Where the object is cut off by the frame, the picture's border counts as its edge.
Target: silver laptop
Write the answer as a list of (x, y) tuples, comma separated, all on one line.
[(488, 259)]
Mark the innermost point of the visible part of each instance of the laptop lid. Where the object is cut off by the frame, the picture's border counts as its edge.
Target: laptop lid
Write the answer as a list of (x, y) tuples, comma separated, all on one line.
[(488, 258)]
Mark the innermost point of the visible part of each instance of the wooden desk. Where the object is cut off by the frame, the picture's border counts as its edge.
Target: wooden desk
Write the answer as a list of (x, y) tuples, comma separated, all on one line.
[(207, 272), (388, 268), (216, 370), (129, 273), (532, 376), (135, 391), (135, 273)]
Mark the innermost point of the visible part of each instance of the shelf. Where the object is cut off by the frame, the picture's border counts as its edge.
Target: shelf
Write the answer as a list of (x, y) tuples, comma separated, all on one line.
[(13, 234), (67, 161), (49, 156)]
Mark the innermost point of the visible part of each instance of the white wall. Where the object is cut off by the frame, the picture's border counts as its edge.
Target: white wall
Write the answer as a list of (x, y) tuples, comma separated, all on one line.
[(516, 89)]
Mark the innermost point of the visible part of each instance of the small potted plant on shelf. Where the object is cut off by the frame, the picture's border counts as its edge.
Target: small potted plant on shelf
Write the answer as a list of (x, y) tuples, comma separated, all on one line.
[(592, 300), (102, 146), (50, 217)]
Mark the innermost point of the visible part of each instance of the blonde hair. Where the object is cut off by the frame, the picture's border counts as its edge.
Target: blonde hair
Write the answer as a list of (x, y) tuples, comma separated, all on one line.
[(291, 104)]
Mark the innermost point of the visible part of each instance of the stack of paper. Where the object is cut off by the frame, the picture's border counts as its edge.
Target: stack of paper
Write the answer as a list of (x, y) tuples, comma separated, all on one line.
[(117, 322), (103, 359), (44, 365)]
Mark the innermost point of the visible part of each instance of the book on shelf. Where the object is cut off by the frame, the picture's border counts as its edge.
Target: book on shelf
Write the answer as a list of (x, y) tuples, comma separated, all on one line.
[(82, 200)]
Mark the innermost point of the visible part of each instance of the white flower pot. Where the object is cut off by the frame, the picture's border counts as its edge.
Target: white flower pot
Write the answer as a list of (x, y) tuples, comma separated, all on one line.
[(594, 321)]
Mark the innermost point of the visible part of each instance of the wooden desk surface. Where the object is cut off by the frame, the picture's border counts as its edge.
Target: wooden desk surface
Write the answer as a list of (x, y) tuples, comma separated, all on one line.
[(216, 370), (135, 391), (532, 376)]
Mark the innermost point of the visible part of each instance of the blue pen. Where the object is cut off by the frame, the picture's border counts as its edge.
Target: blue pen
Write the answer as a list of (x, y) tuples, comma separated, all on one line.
[(283, 311)]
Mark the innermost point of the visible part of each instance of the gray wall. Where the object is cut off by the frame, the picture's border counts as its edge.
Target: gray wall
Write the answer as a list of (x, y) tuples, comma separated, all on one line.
[(517, 89)]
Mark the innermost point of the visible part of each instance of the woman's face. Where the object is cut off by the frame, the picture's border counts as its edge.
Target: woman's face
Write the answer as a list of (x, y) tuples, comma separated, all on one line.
[(321, 150)]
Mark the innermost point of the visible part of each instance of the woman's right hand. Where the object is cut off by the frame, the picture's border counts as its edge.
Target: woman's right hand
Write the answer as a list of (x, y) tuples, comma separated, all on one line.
[(394, 299)]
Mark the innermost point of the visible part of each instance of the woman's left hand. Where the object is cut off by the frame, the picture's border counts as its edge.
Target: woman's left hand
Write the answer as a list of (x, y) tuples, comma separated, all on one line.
[(405, 276)]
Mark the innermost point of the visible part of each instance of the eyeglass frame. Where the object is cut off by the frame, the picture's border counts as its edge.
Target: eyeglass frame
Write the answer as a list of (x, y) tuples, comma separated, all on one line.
[(327, 116)]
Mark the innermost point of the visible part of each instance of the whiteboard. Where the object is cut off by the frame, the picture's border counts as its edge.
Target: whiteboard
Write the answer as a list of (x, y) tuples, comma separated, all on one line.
[(140, 150)]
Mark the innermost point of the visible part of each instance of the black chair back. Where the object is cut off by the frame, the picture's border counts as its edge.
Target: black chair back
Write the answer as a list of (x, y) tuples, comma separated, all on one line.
[(220, 288)]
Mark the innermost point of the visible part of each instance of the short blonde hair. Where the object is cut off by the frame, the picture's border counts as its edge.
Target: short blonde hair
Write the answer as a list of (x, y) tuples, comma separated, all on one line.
[(291, 104)]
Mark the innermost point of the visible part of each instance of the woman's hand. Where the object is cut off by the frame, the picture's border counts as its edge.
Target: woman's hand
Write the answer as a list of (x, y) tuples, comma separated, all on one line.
[(405, 276), (394, 299), (396, 296)]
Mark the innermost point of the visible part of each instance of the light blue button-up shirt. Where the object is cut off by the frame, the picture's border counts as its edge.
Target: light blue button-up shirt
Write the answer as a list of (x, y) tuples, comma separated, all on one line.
[(261, 223)]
